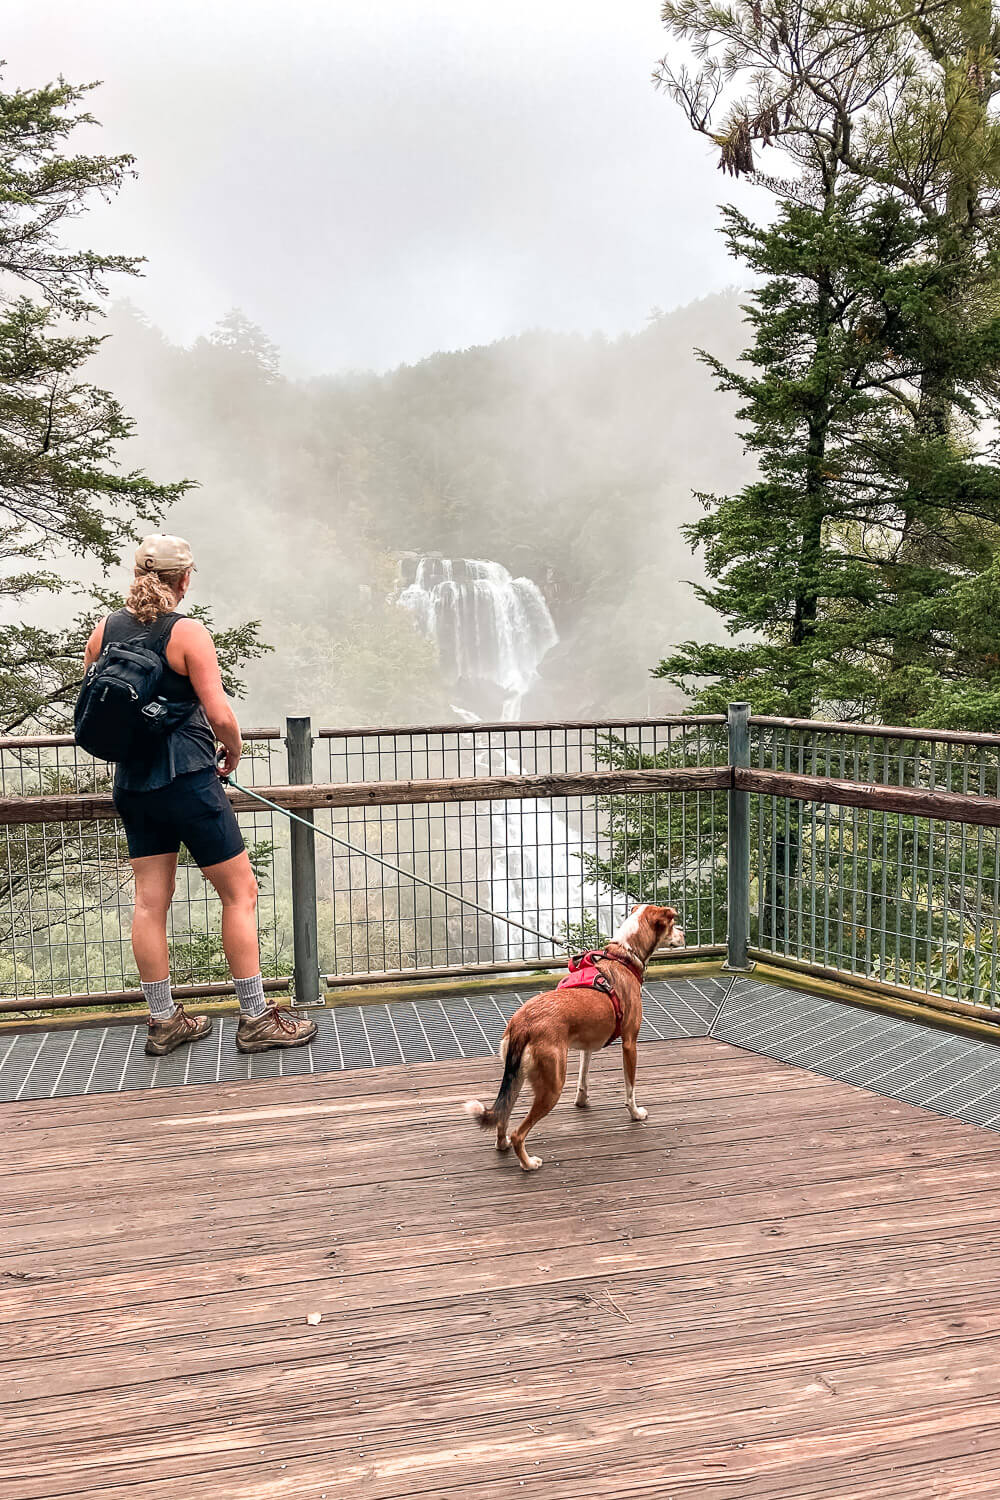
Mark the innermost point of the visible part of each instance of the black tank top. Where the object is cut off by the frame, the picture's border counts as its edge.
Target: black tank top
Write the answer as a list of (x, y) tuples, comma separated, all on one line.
[(191, 747)]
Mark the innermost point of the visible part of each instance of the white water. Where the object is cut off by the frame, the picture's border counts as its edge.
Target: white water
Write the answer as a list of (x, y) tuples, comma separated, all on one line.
[(492, 629), (535, 870), (489, 627)]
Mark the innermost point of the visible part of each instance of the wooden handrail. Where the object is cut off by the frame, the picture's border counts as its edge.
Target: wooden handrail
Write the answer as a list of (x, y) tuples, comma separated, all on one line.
[(758, 721), (377, 731), (512, 726), (64, 741), (880, 731), (913, 801), (89, 806), (917, 802), (952, 807)]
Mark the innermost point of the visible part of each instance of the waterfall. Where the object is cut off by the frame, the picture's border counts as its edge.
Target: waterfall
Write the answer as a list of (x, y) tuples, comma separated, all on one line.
[(491, 630), (535, 870)]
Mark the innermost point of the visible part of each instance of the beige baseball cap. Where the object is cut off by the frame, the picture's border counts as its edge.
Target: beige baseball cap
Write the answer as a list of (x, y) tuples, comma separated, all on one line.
[(163, 554)]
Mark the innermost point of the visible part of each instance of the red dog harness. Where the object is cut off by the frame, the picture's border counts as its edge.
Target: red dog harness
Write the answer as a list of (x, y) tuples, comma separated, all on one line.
[(585, 975)]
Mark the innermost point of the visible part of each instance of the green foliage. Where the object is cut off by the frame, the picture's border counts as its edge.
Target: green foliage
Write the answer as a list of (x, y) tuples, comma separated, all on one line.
[(63, 491), (260, 855), (245, 348), (582, 937), (360, 671), (854, 572), (41, 184), (199, 957), (861, 561), (667, 848), (63, 495), (61, 487), (899, 98), (857, 572), (55, 887), (896, 898)]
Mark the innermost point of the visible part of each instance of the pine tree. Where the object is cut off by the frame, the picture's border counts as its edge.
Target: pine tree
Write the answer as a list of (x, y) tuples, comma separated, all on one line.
[(62, 490), (858, 572), (893, 495), (815, 557), (247, 342)]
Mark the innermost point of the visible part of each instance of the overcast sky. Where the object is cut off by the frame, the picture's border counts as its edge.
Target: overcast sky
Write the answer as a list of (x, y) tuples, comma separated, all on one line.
[(372, 180)]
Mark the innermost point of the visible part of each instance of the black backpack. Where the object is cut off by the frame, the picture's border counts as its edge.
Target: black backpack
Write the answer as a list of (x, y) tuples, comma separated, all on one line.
[(119, 715)]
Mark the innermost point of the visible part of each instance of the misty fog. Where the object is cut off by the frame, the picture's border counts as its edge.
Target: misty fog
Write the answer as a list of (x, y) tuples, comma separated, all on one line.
[(564, 459), (453, 224), (376, 179)]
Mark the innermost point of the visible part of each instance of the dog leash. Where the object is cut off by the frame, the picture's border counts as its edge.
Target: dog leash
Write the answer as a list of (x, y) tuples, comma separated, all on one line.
[(546, 937)]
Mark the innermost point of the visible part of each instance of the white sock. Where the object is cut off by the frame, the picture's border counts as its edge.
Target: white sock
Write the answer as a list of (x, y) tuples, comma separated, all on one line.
[(250, 993), (159, 999)]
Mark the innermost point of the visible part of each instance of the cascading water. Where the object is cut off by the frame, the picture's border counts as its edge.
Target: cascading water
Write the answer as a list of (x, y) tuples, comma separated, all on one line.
[(535, 869), (492, 632)]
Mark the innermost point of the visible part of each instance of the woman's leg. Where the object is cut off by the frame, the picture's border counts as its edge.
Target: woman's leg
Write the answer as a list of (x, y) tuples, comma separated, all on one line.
[(237, 887), (169, 1027), (155, 876), (261, 1026)]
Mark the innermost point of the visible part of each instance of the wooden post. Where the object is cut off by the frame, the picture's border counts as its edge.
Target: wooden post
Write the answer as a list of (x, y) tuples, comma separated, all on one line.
[(738, 958), (305, 945)]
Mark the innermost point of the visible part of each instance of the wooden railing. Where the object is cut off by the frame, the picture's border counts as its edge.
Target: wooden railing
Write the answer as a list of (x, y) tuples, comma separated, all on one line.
[(968, 760), (915, 802), (86, 807)]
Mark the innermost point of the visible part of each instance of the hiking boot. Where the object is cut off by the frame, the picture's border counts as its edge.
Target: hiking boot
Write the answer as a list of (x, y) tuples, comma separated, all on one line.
[(277, 1027), (163, 1036)]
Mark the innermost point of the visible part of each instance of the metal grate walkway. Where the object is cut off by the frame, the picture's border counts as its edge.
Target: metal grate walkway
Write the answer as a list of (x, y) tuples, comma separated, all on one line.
[(106, 1060), (950, 1075)]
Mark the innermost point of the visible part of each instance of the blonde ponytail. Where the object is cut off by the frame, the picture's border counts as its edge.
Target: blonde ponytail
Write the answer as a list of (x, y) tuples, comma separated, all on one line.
[(153, 594)]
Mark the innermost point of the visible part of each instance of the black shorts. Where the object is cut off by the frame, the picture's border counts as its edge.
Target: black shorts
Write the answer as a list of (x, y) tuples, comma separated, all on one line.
[(192, 810)]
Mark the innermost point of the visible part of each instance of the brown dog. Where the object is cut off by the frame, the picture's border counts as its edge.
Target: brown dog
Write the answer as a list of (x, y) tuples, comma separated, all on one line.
[(540, 1034)]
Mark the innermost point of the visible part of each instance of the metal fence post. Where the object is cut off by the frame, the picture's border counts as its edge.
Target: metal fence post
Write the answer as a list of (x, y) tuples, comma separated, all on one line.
[(305, 945), (738, 873)]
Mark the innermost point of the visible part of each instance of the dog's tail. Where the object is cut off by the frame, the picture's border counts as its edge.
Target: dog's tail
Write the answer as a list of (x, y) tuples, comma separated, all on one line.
[(512, 1052)]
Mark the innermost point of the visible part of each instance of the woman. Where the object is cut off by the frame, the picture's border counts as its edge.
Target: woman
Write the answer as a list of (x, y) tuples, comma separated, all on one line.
[(172, 795)]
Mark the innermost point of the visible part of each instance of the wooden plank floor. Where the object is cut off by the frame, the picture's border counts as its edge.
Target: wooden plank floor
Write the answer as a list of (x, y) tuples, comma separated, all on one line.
[(778, 1287)]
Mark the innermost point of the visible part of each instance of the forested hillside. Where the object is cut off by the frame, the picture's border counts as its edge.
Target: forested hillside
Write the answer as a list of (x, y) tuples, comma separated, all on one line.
[(569, 459)]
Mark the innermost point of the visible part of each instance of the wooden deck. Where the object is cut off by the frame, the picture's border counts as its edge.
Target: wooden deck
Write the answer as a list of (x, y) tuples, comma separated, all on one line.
[(778, 1287)]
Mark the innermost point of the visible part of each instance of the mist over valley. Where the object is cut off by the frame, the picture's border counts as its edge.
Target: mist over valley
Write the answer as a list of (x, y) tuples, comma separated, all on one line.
[(493, 530)]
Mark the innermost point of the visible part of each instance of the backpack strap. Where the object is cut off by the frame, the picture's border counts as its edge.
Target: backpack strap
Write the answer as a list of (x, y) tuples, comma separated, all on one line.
[(122, 632), (159, 637)]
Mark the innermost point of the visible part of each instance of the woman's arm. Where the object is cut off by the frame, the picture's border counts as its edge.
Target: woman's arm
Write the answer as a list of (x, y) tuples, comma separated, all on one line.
[(190, 639), (93, 648)]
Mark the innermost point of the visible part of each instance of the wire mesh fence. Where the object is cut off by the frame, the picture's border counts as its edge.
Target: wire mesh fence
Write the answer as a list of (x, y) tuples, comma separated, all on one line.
[(911, 901), (936, 760), (510, 748), (908, 901), (66, 888), (566, 867)]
